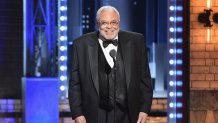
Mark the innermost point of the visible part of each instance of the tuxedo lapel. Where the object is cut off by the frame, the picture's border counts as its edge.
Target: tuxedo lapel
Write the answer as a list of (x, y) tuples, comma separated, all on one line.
[(93, 60), (126, 53)]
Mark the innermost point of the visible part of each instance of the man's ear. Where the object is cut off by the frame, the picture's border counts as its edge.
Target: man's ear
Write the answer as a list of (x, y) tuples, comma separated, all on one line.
[(97, 25)]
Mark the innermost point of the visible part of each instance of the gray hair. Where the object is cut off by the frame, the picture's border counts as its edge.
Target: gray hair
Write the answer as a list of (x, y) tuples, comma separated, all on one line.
[(106, 8)]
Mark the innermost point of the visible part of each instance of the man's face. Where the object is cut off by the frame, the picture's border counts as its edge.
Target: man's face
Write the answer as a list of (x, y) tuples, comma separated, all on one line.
[(108, 24)]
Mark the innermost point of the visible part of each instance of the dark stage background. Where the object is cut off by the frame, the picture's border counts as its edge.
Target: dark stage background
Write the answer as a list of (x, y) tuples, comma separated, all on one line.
[(11, 48)]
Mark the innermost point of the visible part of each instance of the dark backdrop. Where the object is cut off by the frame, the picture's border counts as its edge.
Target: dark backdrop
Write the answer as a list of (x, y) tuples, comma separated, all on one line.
[(11, 48)]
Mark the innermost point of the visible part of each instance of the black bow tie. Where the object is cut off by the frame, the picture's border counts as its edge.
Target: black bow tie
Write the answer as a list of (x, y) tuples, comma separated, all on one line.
[(107, 42)]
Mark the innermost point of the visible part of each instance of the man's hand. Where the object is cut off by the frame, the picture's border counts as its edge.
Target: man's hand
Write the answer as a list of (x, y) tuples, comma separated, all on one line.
[(143, 117), (80, 119)]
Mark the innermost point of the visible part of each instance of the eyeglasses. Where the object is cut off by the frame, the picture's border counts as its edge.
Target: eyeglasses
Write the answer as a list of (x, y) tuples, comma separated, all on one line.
[(106, 24)]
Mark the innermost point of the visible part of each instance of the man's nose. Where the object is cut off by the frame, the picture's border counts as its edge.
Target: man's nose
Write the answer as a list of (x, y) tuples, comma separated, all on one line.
[(109, 25)]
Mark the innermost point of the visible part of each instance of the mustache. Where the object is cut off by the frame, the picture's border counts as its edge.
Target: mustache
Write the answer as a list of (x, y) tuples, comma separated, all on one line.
[(109, 30)]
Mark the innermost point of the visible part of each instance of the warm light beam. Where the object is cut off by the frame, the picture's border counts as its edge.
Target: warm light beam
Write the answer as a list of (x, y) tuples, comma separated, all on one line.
[(209, 2)]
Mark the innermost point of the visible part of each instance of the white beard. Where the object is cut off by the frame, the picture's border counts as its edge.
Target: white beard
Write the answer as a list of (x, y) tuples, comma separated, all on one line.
[(104, 35)]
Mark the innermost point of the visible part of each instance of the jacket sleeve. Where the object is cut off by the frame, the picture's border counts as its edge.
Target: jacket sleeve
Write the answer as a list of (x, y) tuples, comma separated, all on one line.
[(74, 91), (145, 83)]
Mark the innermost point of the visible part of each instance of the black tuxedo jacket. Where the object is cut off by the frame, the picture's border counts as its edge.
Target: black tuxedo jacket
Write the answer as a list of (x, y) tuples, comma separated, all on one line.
[(84, 83)]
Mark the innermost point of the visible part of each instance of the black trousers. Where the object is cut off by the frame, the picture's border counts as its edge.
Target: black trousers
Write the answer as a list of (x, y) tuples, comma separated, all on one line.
[(121, 115)]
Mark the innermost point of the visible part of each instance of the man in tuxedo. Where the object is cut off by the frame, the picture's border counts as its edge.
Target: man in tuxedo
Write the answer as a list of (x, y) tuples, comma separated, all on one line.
[(109, 76)]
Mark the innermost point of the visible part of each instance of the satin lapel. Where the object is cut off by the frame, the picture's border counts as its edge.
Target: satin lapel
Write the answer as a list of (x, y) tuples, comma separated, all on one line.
[(93, 60), (126, 53)]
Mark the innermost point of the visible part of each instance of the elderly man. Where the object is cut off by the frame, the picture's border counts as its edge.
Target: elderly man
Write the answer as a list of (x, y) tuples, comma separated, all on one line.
[(109, 77)]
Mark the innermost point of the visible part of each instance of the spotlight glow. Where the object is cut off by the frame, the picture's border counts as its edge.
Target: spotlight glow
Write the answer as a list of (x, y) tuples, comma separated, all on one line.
[(179, 105), (171, 40), (179, 40), (179, 94), (62, 48), (63, 8), (171, 51), (179, 8), (171, 115), (63, 38), (175, 54), (62, 87), (63, 44), (63, 18), (63, 68), (62, 78), (63, 58), (179, 115), (179, 83), (179, 61), (63, 28), (172, 29), (171, 61), (172, 8), (171, 72), (171, 105), (179, 72), (179, 51), (179, 19), (171, 83), (172, 19), (171, 94), (179, 29)]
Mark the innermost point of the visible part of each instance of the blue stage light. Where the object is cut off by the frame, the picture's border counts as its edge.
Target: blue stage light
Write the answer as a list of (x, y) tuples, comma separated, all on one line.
[(171, 62), (179, 72), (171, 72), (178, 115), (171, 40), (179, 105), (62, 48), (172, 29), (63, 8), (175, 53), (63, 18), (171, 51), (179, 61), (171, 94), (171, 115), (179, 83), (172, 8), (171, 105), (172, 19), (179, 8), (179, 94), (63, 43), (62, 87), (171, 83), (63, 68), (179, 40), (179, 19), (179, 51), (179, 29)]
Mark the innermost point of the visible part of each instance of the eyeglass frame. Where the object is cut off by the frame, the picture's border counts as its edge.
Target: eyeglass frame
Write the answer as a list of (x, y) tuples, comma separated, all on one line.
[(106, 24)]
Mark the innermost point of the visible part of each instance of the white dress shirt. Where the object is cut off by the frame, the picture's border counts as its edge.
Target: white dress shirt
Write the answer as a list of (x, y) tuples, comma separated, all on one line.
[(107, 51)]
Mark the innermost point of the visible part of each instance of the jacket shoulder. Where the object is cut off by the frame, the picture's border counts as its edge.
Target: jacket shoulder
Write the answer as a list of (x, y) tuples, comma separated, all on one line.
[(130, 33), (134, 37), (86, 37)]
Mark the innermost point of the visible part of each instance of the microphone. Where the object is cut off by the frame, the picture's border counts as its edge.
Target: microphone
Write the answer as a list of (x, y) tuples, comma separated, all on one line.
[(113, 54)]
